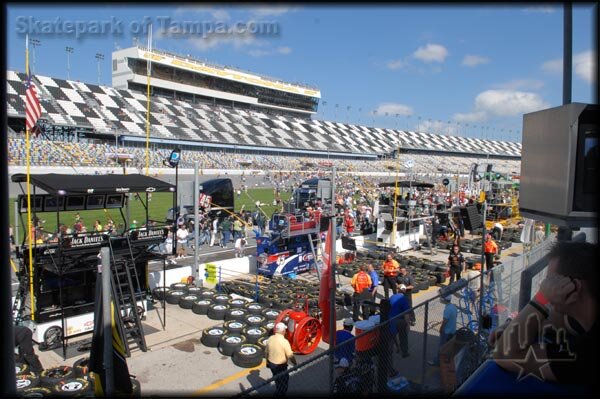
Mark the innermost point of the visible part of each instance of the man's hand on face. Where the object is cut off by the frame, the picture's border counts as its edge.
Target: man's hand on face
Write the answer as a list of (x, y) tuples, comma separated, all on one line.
[(558, 289)]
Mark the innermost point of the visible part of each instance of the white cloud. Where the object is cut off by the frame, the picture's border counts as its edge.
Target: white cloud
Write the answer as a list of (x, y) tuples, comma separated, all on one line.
[(237, 40), (474, 60), (508, 102), (431, 53), (553, 66), (439, 127), (261, 53), (217, 14), (271, 11), (540, 9), (396, 64), (502, 103), (520, 84), (476, 116), (584, 65), (393, 109)]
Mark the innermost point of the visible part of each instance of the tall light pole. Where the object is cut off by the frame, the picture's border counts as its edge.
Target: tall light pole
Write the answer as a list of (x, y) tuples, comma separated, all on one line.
[(99, 57), (69, 50), (34, 43)]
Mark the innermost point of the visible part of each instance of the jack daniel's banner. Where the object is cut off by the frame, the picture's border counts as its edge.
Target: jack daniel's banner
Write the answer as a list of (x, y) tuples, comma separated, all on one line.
[(84, 240), (152, 233)]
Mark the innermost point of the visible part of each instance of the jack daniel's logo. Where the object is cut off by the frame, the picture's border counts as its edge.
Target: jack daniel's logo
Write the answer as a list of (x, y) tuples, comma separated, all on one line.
[(149, 234), (84, 241)]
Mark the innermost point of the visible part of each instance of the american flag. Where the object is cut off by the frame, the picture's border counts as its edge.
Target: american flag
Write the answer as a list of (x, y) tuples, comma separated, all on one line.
[(33, 110)]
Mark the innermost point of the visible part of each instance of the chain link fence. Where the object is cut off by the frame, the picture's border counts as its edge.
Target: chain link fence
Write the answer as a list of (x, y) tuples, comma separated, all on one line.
[(409, 353)]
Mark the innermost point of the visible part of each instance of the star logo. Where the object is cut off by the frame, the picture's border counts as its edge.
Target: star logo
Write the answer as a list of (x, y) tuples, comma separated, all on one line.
[(532, 364)]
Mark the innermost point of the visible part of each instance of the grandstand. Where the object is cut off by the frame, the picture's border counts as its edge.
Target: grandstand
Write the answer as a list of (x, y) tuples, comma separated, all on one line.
[(91, 121)]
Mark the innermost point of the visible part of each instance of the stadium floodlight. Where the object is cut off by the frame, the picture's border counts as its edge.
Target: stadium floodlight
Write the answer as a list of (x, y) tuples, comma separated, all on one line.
[(69, 50), (99, 57)]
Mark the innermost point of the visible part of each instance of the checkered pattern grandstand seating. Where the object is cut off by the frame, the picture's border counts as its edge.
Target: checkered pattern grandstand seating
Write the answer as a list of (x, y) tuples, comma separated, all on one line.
[(105, 109)]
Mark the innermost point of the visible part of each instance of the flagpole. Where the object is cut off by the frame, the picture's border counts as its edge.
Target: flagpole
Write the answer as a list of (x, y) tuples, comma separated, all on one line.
[(148, 71), (27, 172)]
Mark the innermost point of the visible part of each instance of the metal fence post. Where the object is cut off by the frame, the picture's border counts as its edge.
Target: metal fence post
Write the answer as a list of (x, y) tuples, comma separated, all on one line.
[(424, 354), (107, 321)]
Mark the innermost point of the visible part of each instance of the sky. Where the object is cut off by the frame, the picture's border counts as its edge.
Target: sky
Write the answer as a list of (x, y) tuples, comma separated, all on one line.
[(469, 70)]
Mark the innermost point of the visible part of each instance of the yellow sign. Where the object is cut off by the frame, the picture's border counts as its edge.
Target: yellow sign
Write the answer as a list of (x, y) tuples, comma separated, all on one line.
[(211, 273)]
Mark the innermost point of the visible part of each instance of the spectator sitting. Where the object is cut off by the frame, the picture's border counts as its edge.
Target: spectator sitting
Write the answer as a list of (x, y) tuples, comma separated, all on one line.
[(566, 310)]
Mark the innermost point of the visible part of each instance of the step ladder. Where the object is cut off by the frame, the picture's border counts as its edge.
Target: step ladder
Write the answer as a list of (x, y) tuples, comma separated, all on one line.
[(126, 293)]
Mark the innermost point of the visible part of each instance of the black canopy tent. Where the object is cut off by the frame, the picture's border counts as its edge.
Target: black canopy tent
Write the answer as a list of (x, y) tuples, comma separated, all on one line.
[(407, 183), (63, 187), (57, 184)]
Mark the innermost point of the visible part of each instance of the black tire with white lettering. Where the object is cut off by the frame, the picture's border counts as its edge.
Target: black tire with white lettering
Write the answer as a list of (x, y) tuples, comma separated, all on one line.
[(255, 320), (269, 325), (253, 333), (208, 294), (231, 343), (236, 314), (54, 375), (187, 301), (72, 387), (262, 342), (217, 311), (26, 381), (248, 355), (211, 336), (174, 296), (192, 290), (282, 304), (201, 306)]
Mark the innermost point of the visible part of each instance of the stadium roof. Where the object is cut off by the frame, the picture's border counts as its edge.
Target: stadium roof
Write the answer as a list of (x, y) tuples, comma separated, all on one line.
[(57, 184)]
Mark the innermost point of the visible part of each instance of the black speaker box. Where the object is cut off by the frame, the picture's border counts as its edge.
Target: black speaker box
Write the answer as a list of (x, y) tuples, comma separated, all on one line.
[(471, 217)]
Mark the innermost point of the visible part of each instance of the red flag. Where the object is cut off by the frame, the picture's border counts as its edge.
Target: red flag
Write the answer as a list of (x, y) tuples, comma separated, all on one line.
[(33, 110), (326, 284)]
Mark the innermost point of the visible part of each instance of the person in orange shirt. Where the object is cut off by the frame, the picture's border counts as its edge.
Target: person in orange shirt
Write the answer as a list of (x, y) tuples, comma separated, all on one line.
[(390, 272), (361, 282), (490, 248)]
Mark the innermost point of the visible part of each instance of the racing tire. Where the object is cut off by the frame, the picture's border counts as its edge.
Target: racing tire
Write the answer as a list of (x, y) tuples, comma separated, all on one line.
[(221, 299), (211, 336), (253, 333), (187, 301), (270, 314), (35, 392), (476, 250), (26, 381), (174, 296), (53, 337), (72, 387), (81, 367), (262, 342), (201, 306), (269, 325), (253, 320), (54, 375), (179, 286), (208, 294), (160, 293), (235, 327), (236, 314), (193, 291), (22, 368), (237, 303), (217, 311), (283, 304), (229, 344), (254, 308), (248, 356)]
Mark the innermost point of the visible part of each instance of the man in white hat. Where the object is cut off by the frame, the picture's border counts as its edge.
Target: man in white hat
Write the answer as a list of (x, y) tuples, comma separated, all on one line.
[(448, 327), (278, 352)]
